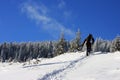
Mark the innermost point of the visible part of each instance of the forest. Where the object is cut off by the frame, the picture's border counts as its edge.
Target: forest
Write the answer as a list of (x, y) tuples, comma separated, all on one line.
[(25, 51)]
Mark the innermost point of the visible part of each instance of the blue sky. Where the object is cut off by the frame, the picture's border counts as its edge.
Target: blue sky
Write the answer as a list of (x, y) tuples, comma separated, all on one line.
[(44, 20)]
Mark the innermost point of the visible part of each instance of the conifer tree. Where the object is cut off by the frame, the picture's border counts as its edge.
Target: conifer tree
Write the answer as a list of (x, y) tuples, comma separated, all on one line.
[(115, 46), (75, 44), (61, 46)]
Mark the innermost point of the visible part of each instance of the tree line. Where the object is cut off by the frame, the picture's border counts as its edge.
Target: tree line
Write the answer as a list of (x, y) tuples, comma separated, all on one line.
[(24, 51)]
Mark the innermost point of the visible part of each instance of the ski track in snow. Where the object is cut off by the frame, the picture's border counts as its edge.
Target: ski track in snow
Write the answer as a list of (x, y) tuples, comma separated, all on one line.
[(60, 73)]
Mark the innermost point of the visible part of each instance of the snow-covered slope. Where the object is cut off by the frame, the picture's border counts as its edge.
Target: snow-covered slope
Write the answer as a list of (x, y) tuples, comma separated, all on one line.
[(68, 66)]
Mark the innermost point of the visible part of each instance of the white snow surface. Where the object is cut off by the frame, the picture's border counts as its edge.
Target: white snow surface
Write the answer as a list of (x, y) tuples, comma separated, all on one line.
[(68, 66)]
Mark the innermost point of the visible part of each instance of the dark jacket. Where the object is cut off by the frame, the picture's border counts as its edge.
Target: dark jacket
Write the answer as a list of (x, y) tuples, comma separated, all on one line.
[(89, 41)]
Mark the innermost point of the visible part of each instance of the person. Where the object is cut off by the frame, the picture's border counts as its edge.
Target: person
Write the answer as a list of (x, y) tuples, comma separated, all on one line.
[(89, 41)]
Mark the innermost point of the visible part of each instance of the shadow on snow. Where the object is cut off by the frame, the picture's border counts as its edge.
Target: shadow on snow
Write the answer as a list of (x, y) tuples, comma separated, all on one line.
[(55, 72)]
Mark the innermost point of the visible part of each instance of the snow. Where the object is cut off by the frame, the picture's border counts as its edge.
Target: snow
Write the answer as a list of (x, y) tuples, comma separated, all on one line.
[(68, 66)]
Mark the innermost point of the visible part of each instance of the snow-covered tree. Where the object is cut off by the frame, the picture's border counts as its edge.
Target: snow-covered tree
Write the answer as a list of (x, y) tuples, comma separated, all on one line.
[(115, 46), (61, 46), (101, 45), (4, 52), (75, 44)]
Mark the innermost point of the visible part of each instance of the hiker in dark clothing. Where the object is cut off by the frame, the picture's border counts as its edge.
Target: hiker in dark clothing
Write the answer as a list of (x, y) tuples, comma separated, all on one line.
[(89, 41)]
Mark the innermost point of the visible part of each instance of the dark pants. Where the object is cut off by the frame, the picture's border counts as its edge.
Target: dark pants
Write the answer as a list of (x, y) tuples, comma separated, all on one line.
[(88, 51)]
